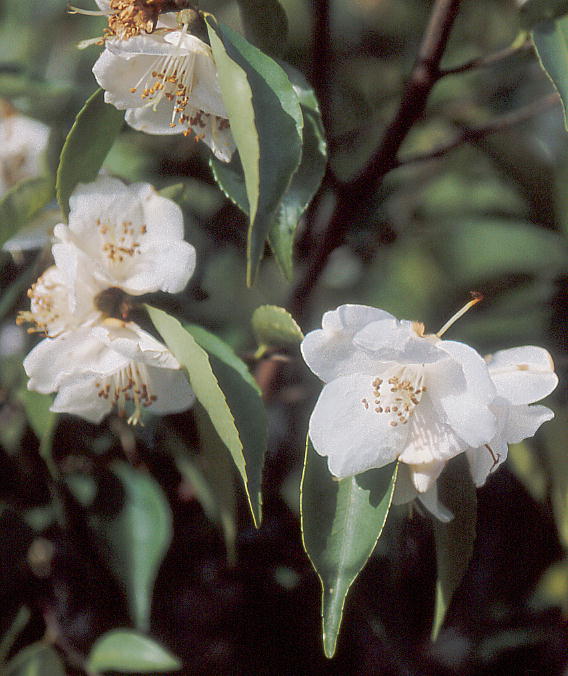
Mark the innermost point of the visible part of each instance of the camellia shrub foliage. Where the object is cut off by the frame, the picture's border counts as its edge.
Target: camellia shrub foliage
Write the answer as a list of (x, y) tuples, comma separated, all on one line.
[(283, 337)]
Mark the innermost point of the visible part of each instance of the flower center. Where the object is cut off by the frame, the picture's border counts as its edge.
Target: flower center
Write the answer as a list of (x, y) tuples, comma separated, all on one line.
[(130, 384), (397, 394), (121, 242), (172, 77), (49, 312)]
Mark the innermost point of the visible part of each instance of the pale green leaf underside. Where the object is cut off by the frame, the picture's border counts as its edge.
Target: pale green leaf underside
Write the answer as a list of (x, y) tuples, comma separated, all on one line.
[(274, 326), (129, 652), (208, 392)]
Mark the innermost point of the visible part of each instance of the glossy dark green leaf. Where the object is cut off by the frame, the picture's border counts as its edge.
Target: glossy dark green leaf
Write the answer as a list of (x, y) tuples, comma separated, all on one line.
[(454, 540), (533, 12), (551, 41), (130, 652), (305, 181), (134, 536), (37, 659), (266, 122), (21, 203), (265, 24), (274, 326), (227, 391), (341, 523), (87, 144)]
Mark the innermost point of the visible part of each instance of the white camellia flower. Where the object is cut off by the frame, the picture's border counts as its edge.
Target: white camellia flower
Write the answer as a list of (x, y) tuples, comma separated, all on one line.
[(22, 144), (120, 240), (125, 236), (393, 393), (114, 363), (522, 376), (167, 83)]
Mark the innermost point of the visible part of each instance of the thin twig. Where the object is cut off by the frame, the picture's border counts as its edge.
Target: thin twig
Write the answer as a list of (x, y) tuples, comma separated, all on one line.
[(484, 61), (469, 134), (352, 195)]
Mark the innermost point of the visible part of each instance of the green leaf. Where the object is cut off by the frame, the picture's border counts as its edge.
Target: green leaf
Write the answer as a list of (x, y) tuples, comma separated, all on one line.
[(87, 144), (21, 203), (134, 537), (41, 419), (454, 540), (305, 181), (274, 326), (341, 523), (265, 23), (304, 184), (551, 42), (129, 652), (37, 659), (533, 12), (229, 394), (266, 122)]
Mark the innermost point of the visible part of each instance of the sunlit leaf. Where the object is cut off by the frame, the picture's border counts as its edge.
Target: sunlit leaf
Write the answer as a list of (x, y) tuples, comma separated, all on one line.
[(454, 540), (274, 326), (37, 659), (551, 41), (87, 144), (266, 122), (134, 534), (229, 394), (341, 523), (129, 652), (21, 203), (304, 183)]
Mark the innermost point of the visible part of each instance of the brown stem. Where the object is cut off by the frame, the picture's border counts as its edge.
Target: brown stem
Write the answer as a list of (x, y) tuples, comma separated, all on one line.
[(352, 195), (484, 61), (469, 134)]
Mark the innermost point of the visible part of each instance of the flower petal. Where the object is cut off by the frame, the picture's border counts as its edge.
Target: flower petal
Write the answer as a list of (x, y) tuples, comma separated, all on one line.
[(523, 374), (118, 75), (345, 427), (485, 460), (430, 500), (461, 388), (172, 389), (329, 352), (430, 440), (132, 343), (524, 421), (78, 395), (53, 360), (395, 340)]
